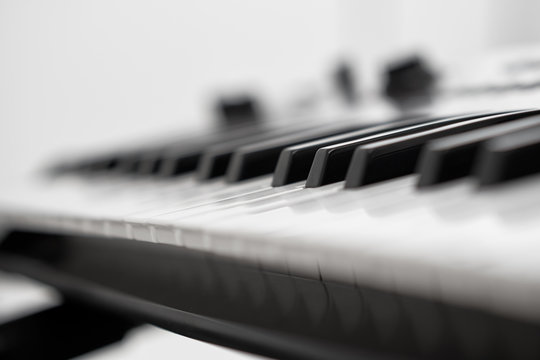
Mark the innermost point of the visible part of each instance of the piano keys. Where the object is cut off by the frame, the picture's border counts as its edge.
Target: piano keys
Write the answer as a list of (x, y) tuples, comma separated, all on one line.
[(345, 245)]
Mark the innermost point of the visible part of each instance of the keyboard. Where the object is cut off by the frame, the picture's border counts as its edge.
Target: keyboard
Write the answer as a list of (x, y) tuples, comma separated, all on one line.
[(416, 236)]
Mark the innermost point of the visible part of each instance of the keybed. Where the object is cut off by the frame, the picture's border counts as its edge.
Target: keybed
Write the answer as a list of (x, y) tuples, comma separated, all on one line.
[(458, 242)]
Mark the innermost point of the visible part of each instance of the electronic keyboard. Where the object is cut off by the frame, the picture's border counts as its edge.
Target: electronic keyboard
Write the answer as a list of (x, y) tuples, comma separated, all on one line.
[(415, 236)]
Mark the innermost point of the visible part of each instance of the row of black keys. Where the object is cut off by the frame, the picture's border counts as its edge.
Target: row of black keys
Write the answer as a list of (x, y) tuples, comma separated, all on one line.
[(494, 147)]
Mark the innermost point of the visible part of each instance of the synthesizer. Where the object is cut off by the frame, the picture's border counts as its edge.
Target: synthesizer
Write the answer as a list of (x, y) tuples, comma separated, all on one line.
[(414, 236)]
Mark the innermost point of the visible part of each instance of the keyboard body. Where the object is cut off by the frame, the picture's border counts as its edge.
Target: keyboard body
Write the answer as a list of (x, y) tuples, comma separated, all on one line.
[(386, 269)]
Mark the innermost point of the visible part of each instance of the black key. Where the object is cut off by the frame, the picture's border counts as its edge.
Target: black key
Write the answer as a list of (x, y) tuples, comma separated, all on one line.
[(509, 157), (260, 159), (169, 157), (295, 161), (140, 161), (331, 162), (453, 157), (147, 161), (131, 163), (100, 165), (391, 158), (150, 163), (179, 161), (183, 158), (216, 159), (165, 160)]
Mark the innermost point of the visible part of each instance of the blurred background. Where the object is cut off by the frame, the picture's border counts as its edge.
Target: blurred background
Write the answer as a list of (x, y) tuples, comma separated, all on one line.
[(78, 74)]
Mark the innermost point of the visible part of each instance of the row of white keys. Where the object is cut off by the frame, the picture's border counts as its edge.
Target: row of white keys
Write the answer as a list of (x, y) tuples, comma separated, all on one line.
[(71, 203), (463, 255), (427, 243), (198, 228), (220, 195), (118, 224), (261, 225), (99, 204), (269, 226), (195, 219)]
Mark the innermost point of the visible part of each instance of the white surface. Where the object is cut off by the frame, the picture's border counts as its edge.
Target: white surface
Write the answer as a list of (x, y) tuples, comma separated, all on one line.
[(149, 342), (20, 296)]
